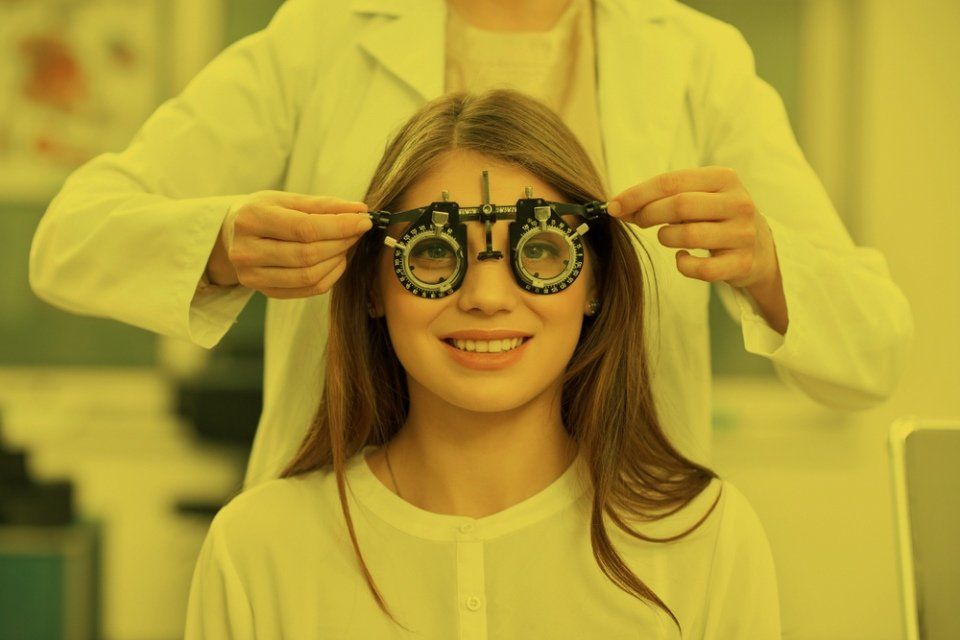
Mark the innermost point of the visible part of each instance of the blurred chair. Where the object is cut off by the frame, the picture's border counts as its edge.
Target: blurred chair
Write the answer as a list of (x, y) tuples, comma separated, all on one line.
[(925, 469), (49, 557)]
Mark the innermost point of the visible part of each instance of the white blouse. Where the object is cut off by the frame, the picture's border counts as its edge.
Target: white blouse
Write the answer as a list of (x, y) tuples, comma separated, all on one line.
[(278, 563)]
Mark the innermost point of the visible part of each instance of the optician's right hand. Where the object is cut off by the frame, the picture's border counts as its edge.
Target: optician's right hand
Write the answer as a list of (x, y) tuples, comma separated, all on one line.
[(286, 245)]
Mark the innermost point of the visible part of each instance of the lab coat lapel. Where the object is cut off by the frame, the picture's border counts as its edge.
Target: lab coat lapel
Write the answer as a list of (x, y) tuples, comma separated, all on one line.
[(643, 67), (407, 39)]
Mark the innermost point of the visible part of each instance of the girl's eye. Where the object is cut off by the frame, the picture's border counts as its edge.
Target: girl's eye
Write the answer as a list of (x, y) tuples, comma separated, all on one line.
[(433, 251), (537, 251)]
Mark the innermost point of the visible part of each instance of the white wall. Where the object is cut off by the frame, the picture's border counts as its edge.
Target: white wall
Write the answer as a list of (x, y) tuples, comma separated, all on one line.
[(885, 142), (909, 195)]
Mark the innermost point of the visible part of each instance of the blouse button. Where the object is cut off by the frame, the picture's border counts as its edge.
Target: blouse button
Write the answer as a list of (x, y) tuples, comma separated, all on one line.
[(466, 527), (473, 603)]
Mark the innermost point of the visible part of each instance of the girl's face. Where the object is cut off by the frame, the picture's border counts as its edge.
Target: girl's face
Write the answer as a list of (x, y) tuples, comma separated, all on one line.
[(488, 300)]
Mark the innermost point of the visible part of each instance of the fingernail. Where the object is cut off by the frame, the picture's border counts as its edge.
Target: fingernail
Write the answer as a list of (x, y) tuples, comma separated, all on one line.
[(364, 225), (613, 208)]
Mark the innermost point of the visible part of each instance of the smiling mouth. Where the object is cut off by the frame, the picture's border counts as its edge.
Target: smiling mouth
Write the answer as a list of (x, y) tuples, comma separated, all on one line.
[(486, 346)]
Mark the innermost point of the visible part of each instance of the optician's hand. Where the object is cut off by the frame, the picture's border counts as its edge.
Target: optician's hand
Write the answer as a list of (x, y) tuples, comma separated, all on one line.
[(707, 208), (286, 245)]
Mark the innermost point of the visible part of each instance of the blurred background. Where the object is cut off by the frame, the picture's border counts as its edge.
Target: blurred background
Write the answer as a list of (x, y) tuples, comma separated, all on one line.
[(122, 445)]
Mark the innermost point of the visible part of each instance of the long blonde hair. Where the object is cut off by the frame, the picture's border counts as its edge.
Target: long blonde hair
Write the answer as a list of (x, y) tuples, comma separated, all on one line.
[(607, 406)]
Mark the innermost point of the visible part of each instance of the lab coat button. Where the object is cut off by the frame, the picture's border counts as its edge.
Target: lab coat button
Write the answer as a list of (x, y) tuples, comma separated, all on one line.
[(466, 527), (473, 603)]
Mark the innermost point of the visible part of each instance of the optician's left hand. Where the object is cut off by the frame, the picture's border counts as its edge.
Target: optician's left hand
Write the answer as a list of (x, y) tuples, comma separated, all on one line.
[(707, 208)]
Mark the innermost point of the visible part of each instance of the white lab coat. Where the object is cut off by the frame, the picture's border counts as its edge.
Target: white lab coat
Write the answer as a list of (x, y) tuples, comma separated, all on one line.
[(308, 105)]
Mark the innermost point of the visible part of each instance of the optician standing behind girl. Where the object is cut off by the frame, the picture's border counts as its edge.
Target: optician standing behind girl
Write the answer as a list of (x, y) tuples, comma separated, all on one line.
[(696, 148)]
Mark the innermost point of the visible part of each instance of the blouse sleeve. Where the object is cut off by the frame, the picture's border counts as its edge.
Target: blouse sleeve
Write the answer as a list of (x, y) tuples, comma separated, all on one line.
[(742, 595), (129, 234), (850, 326), (218, 606)]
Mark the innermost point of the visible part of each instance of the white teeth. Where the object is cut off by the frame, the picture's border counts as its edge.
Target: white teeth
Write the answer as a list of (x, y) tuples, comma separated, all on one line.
[(488, 346)]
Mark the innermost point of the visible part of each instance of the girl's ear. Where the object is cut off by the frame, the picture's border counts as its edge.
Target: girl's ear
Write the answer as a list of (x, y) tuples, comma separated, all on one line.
[(593, 298), (593, 293)]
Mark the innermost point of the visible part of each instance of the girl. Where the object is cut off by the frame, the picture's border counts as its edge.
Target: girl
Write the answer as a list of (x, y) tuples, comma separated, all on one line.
[(472, 450)]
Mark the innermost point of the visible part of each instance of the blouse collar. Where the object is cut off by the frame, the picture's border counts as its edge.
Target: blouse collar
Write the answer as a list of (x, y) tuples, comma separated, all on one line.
[(373, 495)]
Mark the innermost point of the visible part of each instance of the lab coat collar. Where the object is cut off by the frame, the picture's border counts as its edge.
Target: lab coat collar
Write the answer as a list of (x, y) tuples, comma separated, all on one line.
[(641, 9), (642, 79), (411, 44)]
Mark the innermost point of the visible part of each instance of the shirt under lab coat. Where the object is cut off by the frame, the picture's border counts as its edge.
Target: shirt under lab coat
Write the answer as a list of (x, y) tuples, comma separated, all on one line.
[(308, 105), (278, 563)]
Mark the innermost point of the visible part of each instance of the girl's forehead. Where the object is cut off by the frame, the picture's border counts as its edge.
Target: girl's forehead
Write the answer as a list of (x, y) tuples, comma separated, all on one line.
[(460, 175)]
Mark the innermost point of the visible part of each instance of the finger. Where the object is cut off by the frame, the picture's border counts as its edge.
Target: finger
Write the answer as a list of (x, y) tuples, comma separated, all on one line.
[(280, 223), (316, 204), (263, 278), (707, 235), (324, 286), (331, 278), (730, 265), (690, 206), (267, 252), (706, 179)]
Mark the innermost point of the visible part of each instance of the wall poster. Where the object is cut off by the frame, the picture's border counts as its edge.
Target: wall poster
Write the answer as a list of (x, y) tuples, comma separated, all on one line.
[(77, 78)]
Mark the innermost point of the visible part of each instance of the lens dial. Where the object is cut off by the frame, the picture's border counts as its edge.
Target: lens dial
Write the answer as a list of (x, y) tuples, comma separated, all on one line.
[(429, 260), (549, 254)]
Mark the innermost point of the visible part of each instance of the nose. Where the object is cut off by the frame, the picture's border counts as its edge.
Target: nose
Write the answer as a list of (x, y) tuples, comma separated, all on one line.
[(488, 285)]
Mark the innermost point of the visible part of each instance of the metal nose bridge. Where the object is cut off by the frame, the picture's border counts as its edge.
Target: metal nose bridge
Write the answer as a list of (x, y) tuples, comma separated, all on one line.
[(486, 251), (488, 217)]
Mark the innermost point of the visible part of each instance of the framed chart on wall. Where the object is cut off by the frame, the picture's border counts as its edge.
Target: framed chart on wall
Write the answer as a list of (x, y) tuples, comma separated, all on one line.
[(77, 78)]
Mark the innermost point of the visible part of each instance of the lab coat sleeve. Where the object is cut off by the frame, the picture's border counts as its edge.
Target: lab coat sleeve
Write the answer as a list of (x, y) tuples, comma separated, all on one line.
[(850, 327), (217, 606), (743, 600), (129, 234)]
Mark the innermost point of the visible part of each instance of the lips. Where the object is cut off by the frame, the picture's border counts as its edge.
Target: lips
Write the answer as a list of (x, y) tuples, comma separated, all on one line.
[(486, 361), (486, 346)]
